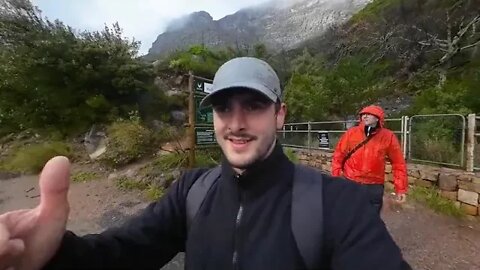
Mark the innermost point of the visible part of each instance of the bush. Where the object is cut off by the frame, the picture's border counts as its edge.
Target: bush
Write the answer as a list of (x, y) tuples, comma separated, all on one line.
[(127, 141), (32, 158)]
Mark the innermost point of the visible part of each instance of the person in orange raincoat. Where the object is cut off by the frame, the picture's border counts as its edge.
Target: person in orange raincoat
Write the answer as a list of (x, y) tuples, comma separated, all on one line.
[(361, 153)]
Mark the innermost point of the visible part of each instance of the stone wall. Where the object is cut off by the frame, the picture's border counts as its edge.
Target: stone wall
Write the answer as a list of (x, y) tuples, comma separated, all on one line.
[(459, 186)]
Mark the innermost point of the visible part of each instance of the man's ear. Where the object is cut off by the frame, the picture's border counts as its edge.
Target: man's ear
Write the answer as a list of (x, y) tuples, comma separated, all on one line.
[(280, 115)]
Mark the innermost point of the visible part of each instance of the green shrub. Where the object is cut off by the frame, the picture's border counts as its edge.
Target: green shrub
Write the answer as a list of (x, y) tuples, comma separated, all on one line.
[(127, 141), (32, 158)]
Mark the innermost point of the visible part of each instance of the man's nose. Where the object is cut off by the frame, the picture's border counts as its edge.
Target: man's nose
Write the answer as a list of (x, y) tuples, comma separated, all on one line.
[(238, 118)]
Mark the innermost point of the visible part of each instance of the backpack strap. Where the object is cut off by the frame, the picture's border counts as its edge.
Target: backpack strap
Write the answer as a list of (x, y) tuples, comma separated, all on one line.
[(198, 191), (307, 215), (354, 149)]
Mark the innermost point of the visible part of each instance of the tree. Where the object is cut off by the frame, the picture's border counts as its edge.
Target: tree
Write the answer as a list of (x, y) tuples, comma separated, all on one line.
[(59, 78)]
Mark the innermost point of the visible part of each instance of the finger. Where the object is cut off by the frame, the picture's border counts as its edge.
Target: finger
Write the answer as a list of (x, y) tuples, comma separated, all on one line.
[(54, 183), (4, 237), (16, 247), (13, 249)]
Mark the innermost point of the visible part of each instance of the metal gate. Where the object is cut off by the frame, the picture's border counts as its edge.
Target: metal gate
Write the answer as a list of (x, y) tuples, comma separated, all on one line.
[(437, 139)]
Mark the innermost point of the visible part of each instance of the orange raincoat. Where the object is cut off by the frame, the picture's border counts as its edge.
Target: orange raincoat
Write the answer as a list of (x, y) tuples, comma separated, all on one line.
[(367, 164)]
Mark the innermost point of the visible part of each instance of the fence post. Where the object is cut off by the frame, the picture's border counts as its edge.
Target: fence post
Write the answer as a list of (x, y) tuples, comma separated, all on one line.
[(191, 120), (309, 134), (470, 142)]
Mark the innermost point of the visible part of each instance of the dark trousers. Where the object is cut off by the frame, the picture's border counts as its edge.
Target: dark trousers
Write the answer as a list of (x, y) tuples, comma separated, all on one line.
[(375, 195)]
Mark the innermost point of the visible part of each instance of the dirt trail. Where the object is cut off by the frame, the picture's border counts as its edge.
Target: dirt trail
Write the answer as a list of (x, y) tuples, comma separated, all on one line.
[(428, 240)]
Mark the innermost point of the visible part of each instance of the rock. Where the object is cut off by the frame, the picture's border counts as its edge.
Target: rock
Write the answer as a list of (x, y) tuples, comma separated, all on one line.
[(411, 180), (470, 186), (429, 175), (469, 209), (451, 195), (389, 186), (414, 173), (468, 197), (112, 176), (178, 80), (95, 142), (476, 180), (388, 168), (423, 183), (389, 177), (465, 177), (130, 173), (160, 84), (277, 25), (447, 182)]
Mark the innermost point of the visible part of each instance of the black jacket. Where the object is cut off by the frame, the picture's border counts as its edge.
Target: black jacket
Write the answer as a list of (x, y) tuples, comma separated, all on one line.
[(243, 224)]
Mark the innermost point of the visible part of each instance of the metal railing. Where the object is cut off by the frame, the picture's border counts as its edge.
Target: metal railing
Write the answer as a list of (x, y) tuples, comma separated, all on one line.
[(324, 135), (437, 139), (434, 139)]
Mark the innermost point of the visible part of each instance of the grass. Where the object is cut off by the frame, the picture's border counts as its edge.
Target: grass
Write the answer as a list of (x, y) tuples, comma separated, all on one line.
[(433, 200), (151, 191), (31, 158), (291, 155), (154, 192), (126, 183), (83, 177)]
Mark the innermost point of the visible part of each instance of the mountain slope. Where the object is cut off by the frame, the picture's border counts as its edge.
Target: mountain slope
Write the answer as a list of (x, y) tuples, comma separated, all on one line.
[(279, 26)]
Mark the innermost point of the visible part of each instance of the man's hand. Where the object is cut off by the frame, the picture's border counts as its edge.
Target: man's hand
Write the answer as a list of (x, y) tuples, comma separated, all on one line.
[(401, 198), (29, 238)]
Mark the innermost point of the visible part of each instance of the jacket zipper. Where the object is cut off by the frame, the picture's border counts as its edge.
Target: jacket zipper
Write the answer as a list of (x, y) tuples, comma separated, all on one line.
[(238, 220)]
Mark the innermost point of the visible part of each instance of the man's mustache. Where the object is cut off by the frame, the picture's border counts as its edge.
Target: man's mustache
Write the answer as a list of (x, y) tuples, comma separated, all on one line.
[(239, 136)]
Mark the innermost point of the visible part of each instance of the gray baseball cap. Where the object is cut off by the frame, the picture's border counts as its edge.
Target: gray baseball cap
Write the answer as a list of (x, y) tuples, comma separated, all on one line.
[(245, 72)]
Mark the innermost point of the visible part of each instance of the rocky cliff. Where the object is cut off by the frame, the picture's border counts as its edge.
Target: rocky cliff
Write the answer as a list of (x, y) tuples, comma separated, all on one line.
[(280, 24)]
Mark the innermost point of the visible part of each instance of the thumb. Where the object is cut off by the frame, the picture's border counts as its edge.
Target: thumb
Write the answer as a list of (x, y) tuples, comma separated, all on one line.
[(54, 183)]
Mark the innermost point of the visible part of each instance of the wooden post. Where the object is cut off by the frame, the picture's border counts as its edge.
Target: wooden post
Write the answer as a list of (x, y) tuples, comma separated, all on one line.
[(470, 142), (191, 121)]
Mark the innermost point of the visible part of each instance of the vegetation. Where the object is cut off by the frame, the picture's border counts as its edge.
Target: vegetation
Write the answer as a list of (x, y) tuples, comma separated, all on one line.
[(127, 141), (291, 155), (432, 199), (31, 158), (84, 176), (58, 81)]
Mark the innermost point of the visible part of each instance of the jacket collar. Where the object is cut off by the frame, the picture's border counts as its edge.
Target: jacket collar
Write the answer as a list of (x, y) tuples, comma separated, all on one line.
[(276, 168)]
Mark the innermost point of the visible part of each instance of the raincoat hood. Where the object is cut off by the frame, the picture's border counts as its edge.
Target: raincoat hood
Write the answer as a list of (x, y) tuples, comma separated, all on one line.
[(375, 110)]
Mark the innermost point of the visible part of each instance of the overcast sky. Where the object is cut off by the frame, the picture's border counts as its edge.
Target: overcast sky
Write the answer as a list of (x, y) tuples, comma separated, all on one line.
[(142, 19)]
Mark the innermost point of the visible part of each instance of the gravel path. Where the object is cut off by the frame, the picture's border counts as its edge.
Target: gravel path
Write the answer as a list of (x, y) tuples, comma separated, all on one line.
[(428, 240)]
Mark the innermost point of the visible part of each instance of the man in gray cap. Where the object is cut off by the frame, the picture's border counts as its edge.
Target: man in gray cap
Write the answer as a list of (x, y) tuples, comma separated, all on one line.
[(256, 211)]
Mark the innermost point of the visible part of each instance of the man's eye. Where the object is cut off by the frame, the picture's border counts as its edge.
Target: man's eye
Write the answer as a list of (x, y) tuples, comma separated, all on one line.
[(255, 106), (220, 108)]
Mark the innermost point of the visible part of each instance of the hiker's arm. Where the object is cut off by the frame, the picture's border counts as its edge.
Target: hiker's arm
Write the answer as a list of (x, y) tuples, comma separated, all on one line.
[(358, 238), (147, 241), (339, 155), (399, 166)]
